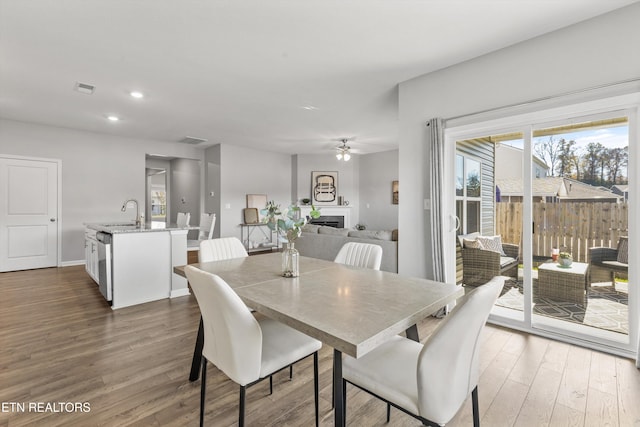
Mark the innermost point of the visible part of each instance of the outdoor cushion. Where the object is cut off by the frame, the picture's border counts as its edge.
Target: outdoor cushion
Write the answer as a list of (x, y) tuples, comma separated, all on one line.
[(492, 243), (623, 250), (470, 236), (616, 264), (506, 260), (473, 244)]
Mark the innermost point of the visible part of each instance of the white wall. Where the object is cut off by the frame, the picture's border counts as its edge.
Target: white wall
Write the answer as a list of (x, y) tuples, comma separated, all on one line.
[(247, 171), (99, 172), (588, 54), (377, 171)]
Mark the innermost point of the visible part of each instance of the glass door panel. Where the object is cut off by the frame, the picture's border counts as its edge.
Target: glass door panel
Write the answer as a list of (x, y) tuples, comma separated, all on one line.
[(580, 223)]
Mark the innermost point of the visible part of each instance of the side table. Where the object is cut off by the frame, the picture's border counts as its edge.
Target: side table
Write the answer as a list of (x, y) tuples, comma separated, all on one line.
[(563, 283)]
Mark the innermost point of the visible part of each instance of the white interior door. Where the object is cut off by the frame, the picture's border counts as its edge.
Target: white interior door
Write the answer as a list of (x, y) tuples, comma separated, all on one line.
[(28, 213)]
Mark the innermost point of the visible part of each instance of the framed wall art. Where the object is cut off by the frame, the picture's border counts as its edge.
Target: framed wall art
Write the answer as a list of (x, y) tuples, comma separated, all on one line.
[(394, 192), (324, 188)]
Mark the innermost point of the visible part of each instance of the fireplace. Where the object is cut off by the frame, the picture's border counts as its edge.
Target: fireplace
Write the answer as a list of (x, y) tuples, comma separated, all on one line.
[(336, 221)]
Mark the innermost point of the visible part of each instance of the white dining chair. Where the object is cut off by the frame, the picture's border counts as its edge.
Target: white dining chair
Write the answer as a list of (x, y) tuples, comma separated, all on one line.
[(363, 255), (220, 249), (183, 218), (207, 224), (247, 349), (432, 381)]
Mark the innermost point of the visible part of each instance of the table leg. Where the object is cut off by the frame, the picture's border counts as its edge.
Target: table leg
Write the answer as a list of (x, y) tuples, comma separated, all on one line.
[(337, 389), (412, 333), (197, 353)]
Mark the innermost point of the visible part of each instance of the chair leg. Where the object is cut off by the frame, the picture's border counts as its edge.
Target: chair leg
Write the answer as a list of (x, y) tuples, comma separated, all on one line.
[(270, 384), (203, 388), (243, 390), (290, 372), (476, 412), (388, 411), (315, 384)]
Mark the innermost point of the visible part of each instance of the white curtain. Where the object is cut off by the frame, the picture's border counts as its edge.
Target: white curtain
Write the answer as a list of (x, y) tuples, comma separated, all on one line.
[(436, 146), (435, 138)]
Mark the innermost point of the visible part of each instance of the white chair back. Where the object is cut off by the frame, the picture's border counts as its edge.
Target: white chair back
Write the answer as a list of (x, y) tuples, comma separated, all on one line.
[(207, 224), (232, 336), (219, 249), (183, 219), (360, 255), (448, 364)]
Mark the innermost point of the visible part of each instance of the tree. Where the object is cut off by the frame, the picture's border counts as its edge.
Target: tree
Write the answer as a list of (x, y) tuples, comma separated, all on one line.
[(548, 151), (617, 161), (566, 157), (592, 163)]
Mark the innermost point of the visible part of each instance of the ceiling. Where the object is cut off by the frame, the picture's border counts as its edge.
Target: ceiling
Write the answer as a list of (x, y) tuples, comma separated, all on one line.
[(286, 76)]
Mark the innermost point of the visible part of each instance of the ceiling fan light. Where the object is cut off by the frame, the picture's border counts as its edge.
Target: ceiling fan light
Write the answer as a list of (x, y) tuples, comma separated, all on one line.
[(346, 156), (339, 156)]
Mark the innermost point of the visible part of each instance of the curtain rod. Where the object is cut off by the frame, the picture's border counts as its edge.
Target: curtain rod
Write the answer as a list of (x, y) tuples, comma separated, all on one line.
[(546, 98)]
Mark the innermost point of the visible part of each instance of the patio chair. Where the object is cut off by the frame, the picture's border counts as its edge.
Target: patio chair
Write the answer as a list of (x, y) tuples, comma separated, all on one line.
[(481, 265), (606, 262)]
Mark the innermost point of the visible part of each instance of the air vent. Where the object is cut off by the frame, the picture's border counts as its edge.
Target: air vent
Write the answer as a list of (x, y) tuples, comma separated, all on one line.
[(191, 140), (84, 88)]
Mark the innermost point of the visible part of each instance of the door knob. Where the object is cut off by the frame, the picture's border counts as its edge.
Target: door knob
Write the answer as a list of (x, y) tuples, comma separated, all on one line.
[(52, 219)]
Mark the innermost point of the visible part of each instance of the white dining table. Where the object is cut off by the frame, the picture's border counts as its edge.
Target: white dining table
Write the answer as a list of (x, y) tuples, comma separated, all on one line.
[(351, 309)]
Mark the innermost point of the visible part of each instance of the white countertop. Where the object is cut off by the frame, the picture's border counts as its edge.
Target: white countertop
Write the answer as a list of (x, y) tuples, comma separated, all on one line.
[(130, 227)]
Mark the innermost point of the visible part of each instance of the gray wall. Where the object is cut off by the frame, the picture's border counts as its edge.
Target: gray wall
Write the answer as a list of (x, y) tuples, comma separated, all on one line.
[(588, 54), (377, 171), (185, 191), (99, 172)]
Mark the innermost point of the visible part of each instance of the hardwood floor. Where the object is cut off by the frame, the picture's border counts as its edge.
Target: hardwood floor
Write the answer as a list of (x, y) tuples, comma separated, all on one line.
[(61, 343)]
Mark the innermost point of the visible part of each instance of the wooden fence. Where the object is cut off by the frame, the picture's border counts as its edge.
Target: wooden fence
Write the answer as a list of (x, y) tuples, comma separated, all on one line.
[(571, 227)]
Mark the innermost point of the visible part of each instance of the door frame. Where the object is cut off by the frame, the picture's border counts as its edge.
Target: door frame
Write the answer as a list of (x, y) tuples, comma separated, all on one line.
[(512, 120), (58, 163)]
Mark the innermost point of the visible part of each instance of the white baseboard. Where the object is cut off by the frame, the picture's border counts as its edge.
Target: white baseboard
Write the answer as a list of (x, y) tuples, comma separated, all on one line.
[(180, 293), (71, 263)]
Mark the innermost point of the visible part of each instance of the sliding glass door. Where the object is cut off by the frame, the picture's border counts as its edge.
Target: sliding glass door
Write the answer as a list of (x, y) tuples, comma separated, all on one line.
[(555, 194)]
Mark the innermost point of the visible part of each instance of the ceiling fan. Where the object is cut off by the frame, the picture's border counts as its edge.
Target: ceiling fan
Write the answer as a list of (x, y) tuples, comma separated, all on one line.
[(344, 151)]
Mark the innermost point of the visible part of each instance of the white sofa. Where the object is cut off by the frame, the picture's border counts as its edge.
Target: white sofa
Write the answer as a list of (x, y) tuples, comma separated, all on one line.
[(325, 242)]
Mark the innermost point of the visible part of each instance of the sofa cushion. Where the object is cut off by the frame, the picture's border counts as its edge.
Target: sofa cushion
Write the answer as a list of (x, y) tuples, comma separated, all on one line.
[(623, 250), (311, 228), (371, 234), (333, 231), (506, 260)]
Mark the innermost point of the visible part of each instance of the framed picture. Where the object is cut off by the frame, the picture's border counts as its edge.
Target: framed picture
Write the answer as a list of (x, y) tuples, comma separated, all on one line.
[(324, 188), (258, 201), (250, 215), (394, 192)]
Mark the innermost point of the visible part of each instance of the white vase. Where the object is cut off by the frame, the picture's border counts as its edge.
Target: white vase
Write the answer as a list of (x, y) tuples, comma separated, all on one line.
[(290, 262)]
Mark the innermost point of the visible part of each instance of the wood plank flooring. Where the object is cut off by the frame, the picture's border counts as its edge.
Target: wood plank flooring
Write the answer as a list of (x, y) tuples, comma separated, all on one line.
[(60, 342)]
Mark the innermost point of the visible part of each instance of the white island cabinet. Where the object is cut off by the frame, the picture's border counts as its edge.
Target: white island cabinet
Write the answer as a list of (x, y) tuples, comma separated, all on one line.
[(142, 261)]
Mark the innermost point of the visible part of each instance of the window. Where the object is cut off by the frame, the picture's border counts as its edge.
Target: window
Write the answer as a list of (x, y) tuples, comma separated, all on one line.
[(468, 193)]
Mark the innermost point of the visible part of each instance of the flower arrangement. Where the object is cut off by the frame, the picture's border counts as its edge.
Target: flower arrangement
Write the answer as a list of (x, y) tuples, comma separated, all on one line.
[(289, 223), (565, 255)]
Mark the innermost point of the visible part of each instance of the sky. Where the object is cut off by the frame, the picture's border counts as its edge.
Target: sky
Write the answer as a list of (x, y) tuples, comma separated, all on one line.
[(613, 137)]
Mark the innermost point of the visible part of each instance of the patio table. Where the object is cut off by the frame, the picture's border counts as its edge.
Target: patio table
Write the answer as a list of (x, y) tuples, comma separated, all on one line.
[(563, 283)]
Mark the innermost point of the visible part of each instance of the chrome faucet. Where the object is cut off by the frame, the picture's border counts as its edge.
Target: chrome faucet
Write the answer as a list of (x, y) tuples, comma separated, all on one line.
[(138, 218)]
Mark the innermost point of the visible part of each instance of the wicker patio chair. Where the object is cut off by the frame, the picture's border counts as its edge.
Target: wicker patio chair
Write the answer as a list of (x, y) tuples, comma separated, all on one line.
[(606, 262), (479, 265)]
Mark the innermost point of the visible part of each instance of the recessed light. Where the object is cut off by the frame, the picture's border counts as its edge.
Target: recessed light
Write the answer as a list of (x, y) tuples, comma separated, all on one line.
[(136, 94), (309, 107), (113, 118)]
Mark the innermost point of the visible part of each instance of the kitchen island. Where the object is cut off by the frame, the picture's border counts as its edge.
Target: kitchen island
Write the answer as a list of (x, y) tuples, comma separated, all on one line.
[(134, 264)]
